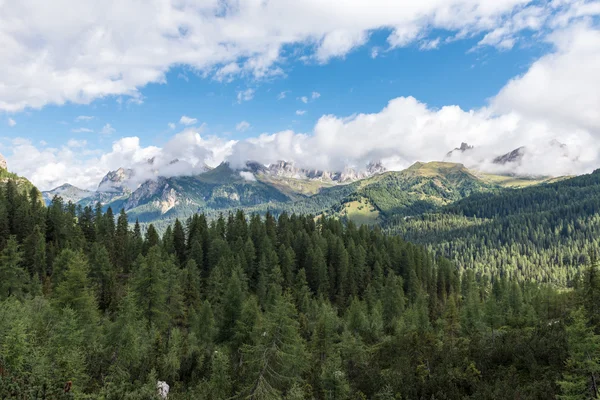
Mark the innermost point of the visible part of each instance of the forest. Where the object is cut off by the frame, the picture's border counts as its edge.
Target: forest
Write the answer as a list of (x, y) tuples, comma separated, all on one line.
[(543, 233), (294, 307)]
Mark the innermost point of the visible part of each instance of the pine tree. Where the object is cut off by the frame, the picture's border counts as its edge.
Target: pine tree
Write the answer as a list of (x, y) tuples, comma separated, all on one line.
[(150, 288), (121, 244), (278, 358), (104, 277), (333, 380), (151, 239), (393, 300), (34, 253), (220, 385), (13, 279), (75, 291), (179, 242), (232, 301), (581, 378)]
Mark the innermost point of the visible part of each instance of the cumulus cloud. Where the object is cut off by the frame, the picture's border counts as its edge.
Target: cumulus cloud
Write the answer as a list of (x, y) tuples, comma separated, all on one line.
[(300, 112), (107, 129), (171, 125), (245, 95), (49, 167), (282, 95), (561, 86), (304, 99), (11, 122), (242, 126), (69, 54), (185, 120), (551, 104), (315, 95)]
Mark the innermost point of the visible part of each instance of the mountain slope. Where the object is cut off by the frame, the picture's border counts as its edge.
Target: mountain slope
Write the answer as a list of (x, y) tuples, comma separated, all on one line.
[(218, 189), (543, 232), (68, 193), (420, 188), (22, 183)]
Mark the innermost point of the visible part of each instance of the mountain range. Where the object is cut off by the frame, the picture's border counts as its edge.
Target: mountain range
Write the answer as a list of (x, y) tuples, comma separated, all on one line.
[(369, 196)]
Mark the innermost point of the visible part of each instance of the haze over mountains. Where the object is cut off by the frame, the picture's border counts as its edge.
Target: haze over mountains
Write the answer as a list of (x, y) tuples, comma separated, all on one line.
[(159, 190)]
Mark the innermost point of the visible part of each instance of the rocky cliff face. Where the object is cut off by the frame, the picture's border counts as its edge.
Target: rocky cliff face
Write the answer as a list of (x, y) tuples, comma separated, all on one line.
[(116, 181), (285, 169), (514, 156)]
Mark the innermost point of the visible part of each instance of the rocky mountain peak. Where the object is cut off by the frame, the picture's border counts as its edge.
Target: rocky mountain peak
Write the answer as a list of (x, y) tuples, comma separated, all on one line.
[(514, 156), (463, 147), (114, 181), (374, 168)]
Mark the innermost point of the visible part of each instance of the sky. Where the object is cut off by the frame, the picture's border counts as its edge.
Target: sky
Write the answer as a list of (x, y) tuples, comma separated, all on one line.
[(87, 87)]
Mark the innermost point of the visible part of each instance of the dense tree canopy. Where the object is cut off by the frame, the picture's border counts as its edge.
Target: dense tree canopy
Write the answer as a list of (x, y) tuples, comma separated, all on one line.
[(272, 308)]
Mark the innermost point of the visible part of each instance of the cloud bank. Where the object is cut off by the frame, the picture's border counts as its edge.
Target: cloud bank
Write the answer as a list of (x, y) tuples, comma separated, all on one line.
[(81, 51), (556, 99)]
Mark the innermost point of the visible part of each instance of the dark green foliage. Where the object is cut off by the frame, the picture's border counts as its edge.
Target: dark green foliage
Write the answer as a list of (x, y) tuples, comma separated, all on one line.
[(274, 308)]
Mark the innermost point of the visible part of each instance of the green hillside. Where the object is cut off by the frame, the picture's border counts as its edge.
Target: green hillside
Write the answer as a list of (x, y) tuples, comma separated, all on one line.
[(543, 232)]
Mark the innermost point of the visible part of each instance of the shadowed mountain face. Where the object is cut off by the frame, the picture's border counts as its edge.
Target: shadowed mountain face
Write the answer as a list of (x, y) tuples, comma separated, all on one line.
[(514, 156)]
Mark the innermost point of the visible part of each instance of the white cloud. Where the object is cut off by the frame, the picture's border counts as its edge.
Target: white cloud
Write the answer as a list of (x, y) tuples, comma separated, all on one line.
[(242, 126), (560, 86), (82, 130), (11, 122), (340, 42), (185, 120), (300, 112), (245, 95), (84, 118), (374, 52), (315, 95), (79, 52), (430, 44), (50, 167), (282, 95), (171, 125), (107, 129), (552, 100), (304, 99), (249, 176), (228, 72)]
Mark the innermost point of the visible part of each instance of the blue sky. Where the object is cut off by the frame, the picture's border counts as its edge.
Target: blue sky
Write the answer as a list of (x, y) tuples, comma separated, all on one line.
[(83, 93), (357, 83)]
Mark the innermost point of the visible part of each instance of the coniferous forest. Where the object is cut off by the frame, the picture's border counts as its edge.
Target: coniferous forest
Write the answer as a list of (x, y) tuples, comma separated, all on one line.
[(293, 307)]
